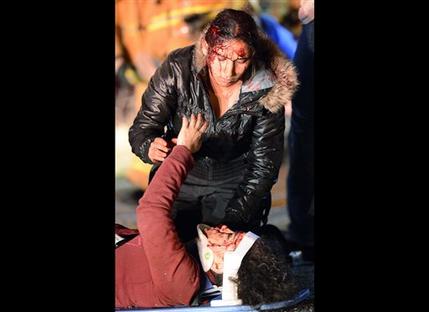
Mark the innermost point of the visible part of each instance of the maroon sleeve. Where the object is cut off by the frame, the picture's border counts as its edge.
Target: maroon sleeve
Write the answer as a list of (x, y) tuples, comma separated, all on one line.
[(175, 273)]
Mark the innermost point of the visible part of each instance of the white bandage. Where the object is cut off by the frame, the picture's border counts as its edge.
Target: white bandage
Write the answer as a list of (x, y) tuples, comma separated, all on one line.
[(231, 264), (205, 253)]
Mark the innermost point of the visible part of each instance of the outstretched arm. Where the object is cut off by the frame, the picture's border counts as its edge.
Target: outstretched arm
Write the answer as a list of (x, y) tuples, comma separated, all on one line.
[(174, 272)]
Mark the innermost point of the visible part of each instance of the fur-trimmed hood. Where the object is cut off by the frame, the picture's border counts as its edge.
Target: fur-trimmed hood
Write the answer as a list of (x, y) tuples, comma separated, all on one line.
[(285, 80)]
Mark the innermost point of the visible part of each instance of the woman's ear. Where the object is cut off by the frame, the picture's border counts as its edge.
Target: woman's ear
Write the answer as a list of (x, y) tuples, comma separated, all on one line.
[(204, 47)]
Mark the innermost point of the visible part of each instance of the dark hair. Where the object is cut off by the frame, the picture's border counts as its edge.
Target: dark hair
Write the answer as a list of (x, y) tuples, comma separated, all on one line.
[(265, 274), (234, 24)]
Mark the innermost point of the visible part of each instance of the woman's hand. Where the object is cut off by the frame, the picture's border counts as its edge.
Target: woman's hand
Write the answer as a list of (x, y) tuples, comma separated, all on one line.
[(158, 150), (190, 136)]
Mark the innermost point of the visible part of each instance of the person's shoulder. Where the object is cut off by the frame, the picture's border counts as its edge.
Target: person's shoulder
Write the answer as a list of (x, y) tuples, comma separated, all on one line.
[(181, 55)]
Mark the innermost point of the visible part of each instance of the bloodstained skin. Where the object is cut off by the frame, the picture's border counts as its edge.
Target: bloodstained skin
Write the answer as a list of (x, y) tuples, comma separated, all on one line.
[(219, 44), (216, 42), (211, 56), (241, 52)]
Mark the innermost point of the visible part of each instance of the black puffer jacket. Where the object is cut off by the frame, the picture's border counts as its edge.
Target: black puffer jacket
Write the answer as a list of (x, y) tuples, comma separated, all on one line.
[(251, 132)]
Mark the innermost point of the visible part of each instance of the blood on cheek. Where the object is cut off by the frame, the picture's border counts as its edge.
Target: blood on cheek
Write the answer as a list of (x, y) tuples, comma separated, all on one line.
[(211, 58), (241, 52)]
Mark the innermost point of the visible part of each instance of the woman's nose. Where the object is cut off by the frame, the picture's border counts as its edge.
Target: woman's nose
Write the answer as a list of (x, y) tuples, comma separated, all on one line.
[(229, 69)]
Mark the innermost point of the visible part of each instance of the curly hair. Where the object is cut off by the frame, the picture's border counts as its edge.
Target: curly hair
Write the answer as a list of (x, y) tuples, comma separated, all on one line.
[(265, 275)]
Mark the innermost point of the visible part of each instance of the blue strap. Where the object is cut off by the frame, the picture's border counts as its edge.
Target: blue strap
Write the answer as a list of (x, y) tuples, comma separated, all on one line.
[(301, 296), (208, 292)]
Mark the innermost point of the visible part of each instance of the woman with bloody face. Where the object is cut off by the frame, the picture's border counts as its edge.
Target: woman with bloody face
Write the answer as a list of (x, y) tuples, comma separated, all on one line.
[(240, 82)]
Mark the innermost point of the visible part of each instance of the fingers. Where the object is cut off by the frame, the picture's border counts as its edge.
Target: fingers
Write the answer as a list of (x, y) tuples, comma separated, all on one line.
[(160, 141), (199, 121), (193, 121), (160, 144), (157, 155), (204, 127), (185, 123), (191, 132), (158, 150)]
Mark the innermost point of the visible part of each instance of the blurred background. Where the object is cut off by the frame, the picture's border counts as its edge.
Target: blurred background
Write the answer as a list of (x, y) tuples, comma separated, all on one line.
[(145, 32)]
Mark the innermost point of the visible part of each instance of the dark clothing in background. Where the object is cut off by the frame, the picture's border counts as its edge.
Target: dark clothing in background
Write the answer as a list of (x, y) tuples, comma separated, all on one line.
[(300, 181)]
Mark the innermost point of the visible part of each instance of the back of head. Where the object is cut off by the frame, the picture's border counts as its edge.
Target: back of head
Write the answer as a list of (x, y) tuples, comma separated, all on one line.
[(265, 275)]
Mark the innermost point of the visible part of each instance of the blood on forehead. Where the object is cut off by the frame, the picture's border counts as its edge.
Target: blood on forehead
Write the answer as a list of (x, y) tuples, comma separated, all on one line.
[(217, 50), (224, 47)]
